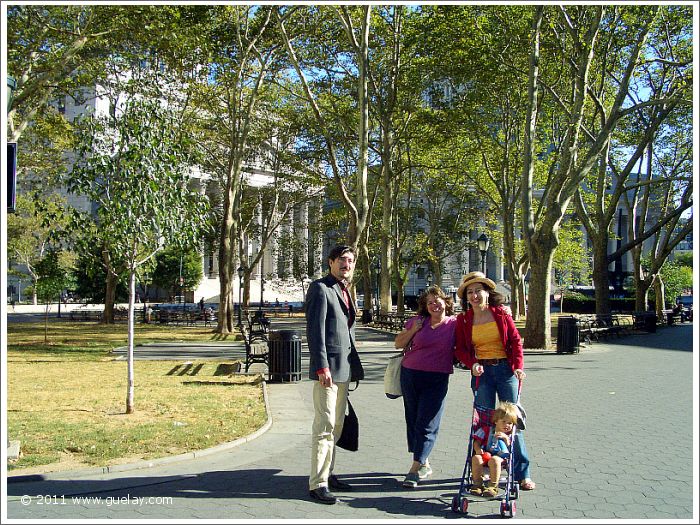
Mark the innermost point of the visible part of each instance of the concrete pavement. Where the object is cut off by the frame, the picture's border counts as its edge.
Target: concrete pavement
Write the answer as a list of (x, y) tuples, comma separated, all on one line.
[(608, 435)]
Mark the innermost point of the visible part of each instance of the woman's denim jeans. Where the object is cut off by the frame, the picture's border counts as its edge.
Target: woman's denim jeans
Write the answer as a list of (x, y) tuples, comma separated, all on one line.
[(499, 380), (424, 396)]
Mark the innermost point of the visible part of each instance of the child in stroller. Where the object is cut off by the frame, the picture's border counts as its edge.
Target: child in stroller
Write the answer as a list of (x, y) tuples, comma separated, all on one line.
[(492, 445)]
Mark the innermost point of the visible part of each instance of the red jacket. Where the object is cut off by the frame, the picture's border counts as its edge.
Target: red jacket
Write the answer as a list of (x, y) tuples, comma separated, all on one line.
[(510, 338)]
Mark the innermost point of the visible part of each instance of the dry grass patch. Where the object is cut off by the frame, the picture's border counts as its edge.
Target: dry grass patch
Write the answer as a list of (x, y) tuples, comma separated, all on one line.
[(66, 402), (87, 340)]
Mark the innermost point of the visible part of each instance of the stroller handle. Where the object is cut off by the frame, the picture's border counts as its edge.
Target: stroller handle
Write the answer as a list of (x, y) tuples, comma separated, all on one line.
[(476, 387)]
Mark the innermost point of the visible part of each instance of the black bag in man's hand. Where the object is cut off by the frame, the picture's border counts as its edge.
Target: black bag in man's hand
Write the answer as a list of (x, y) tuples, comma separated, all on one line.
[(357, 372), (350, 436)]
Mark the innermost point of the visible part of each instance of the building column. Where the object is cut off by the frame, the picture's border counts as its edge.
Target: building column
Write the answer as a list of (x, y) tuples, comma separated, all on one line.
[(258, 271), (301, 232), (317, 266)]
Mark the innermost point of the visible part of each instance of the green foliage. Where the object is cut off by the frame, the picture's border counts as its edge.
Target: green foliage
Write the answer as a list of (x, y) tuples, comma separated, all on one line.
[(136, 169), (91, 277), (166, 274), (684, 259), (53, 277), (676, 279), (578, 303), (571, 261)]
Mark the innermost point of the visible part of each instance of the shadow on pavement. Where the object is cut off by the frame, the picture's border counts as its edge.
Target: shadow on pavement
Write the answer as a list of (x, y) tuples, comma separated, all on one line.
[(381, 491)]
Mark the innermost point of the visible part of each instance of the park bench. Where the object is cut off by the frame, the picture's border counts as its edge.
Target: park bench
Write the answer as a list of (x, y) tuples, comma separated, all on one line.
[(256, 337), (85, 315), (598, 326), (672, 317), (276, 310), (392, 322)]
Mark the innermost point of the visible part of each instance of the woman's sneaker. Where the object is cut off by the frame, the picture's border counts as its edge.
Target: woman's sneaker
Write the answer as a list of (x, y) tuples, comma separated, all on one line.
[(424, 471), (411, 481)]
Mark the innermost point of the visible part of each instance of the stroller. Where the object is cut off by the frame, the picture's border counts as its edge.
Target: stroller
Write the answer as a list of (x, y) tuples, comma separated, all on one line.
[(508, 490)]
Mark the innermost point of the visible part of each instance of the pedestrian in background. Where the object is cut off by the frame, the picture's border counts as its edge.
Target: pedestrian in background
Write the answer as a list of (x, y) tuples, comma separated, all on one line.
[(425, 373), (489, 344), (330, 334)]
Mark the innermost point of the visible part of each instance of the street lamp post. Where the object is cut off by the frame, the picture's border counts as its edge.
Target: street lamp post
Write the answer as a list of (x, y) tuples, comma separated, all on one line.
[(182, 287), (241, 271), (377, 272), (483, 241), (262, 291), (145, 297), (645, 276)]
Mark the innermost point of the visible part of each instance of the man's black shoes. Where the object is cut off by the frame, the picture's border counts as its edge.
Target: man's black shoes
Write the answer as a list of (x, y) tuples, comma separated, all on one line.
[(335, 483), (323, 495)]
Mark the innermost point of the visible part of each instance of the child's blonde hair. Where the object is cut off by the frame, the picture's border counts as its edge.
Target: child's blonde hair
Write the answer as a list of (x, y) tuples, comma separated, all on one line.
[(507, 411)]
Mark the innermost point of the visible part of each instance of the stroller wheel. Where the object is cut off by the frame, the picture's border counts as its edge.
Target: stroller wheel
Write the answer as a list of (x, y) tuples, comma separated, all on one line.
[(460, 504), (507, 508)]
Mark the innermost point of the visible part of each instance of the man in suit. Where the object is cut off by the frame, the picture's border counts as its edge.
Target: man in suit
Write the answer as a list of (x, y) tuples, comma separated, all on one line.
[(330, 333)]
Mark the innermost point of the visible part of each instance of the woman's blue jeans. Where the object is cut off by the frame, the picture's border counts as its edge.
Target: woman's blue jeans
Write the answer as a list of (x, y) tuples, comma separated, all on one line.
[(499, 380), (424, 396)]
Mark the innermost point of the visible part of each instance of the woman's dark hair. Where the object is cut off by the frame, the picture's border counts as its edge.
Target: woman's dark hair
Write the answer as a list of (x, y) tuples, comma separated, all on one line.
[(437, 292), (495, 299)]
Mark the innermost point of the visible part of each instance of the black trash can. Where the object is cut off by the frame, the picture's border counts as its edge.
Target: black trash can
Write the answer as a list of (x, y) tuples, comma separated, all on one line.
[(284, 356), (366, 316), (568, 340), (650, 322)]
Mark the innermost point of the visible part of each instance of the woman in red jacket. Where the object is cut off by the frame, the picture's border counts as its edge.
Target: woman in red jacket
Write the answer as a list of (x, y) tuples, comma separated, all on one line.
[(489, 344)]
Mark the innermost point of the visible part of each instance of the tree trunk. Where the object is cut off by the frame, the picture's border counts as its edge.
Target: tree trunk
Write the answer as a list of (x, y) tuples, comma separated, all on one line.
[(659, 290), (110, 295), (400, 309), (538, 327), (601, 277), (225, 314), (130, 345)]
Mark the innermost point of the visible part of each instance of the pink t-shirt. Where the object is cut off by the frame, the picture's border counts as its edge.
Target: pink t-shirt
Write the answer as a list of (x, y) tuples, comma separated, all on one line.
[(433, 348)]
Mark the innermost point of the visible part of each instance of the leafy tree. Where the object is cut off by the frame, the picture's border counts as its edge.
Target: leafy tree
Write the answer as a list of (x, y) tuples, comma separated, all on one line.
[(91, 277), (677, 278), (53, 271), (54, 50), (173, 263), (29, 233), (240, 57), (135, 167), (327, 78), (601, 45)]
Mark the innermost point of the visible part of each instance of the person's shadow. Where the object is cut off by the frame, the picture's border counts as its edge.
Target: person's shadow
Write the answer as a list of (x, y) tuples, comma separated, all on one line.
[(256, 484)]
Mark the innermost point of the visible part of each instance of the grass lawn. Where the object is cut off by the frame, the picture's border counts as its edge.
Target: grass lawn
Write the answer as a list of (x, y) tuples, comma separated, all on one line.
[(66, 399)]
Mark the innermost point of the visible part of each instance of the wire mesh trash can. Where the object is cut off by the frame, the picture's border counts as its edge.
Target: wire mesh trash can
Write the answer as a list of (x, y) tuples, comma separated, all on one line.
[(568, 340), (285, 356)]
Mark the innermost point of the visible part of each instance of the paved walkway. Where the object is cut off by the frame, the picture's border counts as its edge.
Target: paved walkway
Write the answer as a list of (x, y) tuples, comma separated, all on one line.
[(598, 422)]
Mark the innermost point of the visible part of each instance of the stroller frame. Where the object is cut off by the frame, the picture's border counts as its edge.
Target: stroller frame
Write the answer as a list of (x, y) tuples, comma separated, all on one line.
[(510, 490)]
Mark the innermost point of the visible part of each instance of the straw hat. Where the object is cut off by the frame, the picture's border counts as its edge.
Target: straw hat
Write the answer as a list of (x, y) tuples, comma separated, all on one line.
[(475, 277)]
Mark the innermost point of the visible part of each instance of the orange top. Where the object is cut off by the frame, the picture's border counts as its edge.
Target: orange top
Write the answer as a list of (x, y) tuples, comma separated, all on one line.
[(487, 341)]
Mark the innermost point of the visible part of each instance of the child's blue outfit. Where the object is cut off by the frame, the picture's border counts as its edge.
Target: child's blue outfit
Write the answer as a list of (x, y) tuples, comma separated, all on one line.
[(494, 446)]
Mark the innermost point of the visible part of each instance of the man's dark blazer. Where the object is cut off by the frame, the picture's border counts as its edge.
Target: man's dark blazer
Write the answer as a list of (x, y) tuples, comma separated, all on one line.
[(328, 335)]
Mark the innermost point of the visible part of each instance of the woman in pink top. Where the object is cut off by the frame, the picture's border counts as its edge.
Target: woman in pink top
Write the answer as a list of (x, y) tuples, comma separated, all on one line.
[(425, 373)]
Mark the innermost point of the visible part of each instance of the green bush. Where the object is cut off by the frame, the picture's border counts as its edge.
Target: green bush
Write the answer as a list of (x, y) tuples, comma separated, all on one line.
[(576, 303)]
